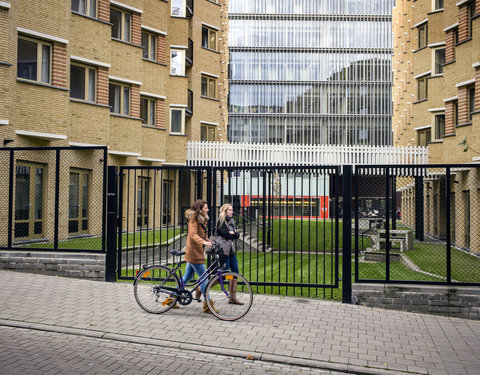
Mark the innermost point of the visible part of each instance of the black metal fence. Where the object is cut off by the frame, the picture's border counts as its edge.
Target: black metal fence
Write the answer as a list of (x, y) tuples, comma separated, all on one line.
[(53, 198), (287, 218), (417, 224)]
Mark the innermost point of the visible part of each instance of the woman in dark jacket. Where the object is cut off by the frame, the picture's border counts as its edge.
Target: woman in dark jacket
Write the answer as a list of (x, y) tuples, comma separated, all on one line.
[(226, 229)]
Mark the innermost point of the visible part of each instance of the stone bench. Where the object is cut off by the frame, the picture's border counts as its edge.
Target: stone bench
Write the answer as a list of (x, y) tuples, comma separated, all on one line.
[(402, 237)]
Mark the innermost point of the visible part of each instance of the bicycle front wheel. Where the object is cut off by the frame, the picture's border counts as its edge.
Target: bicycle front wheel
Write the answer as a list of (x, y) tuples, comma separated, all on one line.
[(154, 289), (223, 292)]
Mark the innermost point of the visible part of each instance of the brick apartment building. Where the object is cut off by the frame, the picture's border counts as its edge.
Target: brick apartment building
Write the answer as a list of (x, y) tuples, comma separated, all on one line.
[(436, 102), (139, 76), (142, 77)]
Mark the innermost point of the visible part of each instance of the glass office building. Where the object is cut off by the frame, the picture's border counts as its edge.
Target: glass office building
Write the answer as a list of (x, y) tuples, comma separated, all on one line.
[(310, 71)]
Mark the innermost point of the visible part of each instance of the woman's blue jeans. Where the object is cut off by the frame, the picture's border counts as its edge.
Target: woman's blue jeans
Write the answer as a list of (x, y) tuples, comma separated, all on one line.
[(232, 263), (199, 269)]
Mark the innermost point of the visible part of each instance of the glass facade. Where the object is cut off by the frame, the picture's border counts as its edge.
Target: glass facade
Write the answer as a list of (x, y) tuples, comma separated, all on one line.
[(310, 71)]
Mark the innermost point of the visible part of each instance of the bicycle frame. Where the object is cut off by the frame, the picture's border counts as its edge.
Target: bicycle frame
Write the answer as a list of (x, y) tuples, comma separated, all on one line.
[(208, 272)]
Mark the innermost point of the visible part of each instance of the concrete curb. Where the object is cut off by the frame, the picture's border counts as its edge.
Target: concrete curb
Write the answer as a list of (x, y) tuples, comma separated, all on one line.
[(350, 369)]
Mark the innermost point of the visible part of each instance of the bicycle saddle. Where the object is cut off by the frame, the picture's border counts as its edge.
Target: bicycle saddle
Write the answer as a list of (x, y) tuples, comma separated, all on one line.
[(177, 253)]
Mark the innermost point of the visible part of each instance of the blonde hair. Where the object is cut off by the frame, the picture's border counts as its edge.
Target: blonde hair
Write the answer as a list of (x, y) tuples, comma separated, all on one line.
[(223, 213)]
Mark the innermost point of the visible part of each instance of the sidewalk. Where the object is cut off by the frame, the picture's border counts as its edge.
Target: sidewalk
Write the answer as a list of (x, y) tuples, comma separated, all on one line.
[(297, 331)]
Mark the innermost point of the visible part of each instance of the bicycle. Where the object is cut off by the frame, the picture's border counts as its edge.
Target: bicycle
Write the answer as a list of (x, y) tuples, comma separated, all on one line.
[(158, 288)]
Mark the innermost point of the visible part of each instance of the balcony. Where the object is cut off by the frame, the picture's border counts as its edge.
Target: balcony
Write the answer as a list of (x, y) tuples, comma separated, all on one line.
[(189, 11), (189, 54), (189, 110)]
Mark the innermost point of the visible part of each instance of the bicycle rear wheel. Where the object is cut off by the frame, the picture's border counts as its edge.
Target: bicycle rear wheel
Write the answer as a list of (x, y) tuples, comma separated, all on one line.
[(218, 296), (153, 288)]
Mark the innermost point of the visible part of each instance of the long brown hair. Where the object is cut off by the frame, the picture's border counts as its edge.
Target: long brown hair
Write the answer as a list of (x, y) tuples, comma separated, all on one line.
[(195, 209)]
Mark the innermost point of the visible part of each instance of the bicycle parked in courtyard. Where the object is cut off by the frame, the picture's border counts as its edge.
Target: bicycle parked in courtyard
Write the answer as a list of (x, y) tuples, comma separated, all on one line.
[(157, 288)]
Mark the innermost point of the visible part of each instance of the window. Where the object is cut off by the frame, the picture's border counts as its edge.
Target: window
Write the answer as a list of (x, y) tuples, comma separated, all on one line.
[(208, 86), (466, 217), (424, 137), (178, 8), (34, 60), (439, 126), (438, 4), (455, 113), (83, 82), (119, 98), (471, 13), (422, 36), (121, 24), (439, 60), (149, 45), (209, 38), (86, 7), (207, 133), (78, 201), (142, 201), (471, 102), (29, 200), (177, 120), (147, 110), (177, 62), (422, 89)]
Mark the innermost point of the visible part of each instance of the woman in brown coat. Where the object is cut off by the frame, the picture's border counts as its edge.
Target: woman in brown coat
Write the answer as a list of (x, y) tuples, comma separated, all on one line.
[(197, 217)]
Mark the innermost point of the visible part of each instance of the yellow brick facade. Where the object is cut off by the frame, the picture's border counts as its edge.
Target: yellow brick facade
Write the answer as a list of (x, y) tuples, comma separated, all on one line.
[(453, 90), (81, 39)]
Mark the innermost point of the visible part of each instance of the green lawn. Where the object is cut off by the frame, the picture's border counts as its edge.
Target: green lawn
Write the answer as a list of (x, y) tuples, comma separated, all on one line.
[(132, 239), (307, 235), (433, 258)]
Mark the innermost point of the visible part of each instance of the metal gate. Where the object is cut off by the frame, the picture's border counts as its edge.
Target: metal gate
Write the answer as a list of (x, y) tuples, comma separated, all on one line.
[(288, 219)]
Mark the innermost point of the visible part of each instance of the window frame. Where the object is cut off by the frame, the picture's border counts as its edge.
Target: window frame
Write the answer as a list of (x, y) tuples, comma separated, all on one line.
[(149, 117), (436, 64), (471, 102), (151, 48), (209, 30), (81, 217), (87, 70), (209, 80), (183, 9), (39, 59), (122, 28), (428, 136), (471, 15), (88, 8), (439, 127), (182, 54), (425, 91), (436, 6), (182, 120), (123, 86), (423, 28), (208, 128)]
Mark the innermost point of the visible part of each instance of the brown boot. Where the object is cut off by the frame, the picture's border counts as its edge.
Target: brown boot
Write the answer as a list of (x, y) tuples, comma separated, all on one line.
[(232, 290), (206, 309), (198, 293)]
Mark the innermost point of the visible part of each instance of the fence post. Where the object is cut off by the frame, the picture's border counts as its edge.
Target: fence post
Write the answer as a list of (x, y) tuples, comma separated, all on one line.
[(347, 234), (419, 235), (111, 255)]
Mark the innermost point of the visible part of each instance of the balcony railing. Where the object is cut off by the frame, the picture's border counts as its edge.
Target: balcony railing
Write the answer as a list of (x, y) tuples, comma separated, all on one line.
[(256, 154), (189, 110), (189, 11), (189, 54)]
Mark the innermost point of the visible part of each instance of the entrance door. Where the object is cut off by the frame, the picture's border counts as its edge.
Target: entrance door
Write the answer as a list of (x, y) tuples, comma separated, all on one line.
[(29, 201)]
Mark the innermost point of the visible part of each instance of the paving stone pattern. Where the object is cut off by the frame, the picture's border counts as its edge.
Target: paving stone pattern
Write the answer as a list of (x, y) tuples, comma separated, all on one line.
[(27, 351), (310, 333)]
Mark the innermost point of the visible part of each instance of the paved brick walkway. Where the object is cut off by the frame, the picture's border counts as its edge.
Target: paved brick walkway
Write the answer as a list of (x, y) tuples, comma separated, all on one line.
[(292, 331)]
